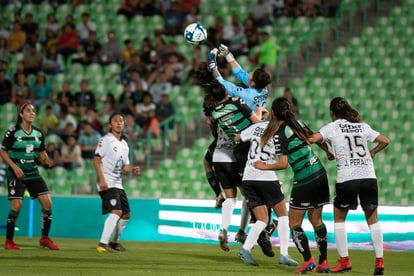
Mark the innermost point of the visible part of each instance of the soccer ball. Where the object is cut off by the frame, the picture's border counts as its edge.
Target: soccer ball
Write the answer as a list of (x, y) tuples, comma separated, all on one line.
[(195, 34)]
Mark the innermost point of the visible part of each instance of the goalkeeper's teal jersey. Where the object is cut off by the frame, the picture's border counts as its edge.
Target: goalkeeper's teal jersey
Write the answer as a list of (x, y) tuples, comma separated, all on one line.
[(305, 164), (251, 96), (23, 149)]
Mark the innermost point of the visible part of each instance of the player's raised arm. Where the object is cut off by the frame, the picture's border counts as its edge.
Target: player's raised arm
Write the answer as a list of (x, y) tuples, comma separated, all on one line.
[(225, 52)]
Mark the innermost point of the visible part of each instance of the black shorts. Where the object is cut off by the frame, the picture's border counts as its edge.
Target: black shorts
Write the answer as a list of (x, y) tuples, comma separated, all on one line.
[(241, 150), (114, 199), (260, 193), (209, 154), (347, 193), (35, 186), (312, 195), (227, 174)]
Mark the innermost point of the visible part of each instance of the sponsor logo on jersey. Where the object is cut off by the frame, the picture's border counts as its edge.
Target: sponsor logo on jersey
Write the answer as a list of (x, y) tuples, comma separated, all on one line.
[(29, 148)]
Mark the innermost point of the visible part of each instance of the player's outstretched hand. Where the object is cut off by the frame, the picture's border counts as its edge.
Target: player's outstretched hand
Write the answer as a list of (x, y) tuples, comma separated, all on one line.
[(225, 52), (212, 65)]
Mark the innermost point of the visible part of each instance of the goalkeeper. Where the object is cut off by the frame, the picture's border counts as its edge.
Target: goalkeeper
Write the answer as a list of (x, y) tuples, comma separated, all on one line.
[(256, 82)]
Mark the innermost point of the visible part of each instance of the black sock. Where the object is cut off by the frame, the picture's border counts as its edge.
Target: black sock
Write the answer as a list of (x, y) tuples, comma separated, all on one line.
[(212, 180), (321, 236), (11, 223), (301, 242), (46, 218)]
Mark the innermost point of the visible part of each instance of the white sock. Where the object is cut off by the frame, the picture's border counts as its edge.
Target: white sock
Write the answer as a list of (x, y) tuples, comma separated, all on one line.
[(120, 226), (377, 239), (341, 239), (254, 233), (245, 216), (227, 212), (284, 234), (109, 226)]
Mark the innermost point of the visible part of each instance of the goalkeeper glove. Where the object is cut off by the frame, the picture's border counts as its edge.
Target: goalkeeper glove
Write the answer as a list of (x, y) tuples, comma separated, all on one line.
[(212, 65), (224, 51)]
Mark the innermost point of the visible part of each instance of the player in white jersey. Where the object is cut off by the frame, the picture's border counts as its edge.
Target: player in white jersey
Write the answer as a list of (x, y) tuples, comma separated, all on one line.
[(356, 177), (262, 189), (111, 158)]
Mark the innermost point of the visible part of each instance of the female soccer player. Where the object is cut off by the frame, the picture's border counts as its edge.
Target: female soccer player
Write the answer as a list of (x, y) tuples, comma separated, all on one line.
[(310, 184), (356, 176), (22, 149), (112, 157), (262, 189)]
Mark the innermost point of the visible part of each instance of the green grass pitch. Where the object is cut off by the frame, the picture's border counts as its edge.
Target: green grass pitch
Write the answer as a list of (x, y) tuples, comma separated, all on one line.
[(79, 257)]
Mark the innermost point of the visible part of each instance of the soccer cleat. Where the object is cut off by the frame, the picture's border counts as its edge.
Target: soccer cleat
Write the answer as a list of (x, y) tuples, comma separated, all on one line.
[(272, 227), (343, 264), (105, 248), (240, 236), (306, 266), (117, 246), (246, 257), (379, 266), (222, 237), (10, 245), (219, 201), (287, 260), (45, 241), (323, 267), (264, 242)]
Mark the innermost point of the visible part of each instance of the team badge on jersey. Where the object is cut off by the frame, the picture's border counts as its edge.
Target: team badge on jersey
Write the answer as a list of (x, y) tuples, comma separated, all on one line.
[(113, 202)]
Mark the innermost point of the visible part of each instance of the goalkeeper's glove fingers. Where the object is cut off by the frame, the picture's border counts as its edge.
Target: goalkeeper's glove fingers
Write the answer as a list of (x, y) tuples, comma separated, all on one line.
[(212, 65), (224, 51)]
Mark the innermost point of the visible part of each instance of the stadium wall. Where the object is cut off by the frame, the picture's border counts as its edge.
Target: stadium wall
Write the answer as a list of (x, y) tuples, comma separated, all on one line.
[(193, 221)]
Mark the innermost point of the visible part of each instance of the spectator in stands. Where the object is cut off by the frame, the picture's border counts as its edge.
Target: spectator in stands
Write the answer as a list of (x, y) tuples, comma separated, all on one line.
[(228, 29), (71, 154), (238, 42), (48, 121), (294, 103), (128, 51), (174, 69), (267, 55), (261, 13), (20, 90), (128, 8), (17, 38), (53, 153), (277, 7), (193, 16), (165, 109), (31, 29), (142, 109), (65, 98), (147, 8), (84, 28), (65, 119), (111, 50), (215, 33), (43, 91), (88, 139), (135, 64), (93, 118), (148, 56), (5, 55), (150, 125), (70, 20), (91, 51), (4, 33), (84, 99), (196, 60), (132, 130), (19, 69), (251, 32), (311, 8), (126, 101), (138, 85), (68, 42), (16, 18), (186, 5), (52, 24), (174, 20), (292, 8), (52, 61), (110, 105), (5, 88), (160, 87), (32, 60), (165, 6), (51, 39), (69, 130)]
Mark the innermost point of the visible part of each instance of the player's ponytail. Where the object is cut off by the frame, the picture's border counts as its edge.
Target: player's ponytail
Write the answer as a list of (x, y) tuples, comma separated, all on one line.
[(282, 112), (343, 110)]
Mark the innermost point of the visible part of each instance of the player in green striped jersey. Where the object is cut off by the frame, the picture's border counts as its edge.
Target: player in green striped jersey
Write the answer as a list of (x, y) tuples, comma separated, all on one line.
[(310, 183), (22, 149)]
